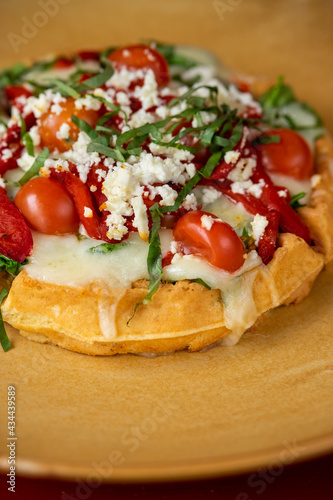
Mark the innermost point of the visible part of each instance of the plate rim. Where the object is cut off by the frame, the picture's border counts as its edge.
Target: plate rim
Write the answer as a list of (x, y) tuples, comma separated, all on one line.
[(172, 471)]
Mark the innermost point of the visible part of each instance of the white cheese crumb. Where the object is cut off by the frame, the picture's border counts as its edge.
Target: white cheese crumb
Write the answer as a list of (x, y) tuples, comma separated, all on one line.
[(2, 183), (209, 195), (190, 202), (140, 217), (63, 132), (282, 194), (26, 161), (174, 247), (87, 212), (88, 102), (34, 134), (243, 170), (148, 94), (93, 188), (207, 221), (315, 180), (256, 189), (6, 154), (231, 156), (258, 227)]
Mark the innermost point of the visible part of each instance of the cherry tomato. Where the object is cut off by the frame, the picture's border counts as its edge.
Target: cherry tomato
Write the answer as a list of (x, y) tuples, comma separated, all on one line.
[(47, 207), (50, 124), (219, 245), (291, 156), (142, 57)]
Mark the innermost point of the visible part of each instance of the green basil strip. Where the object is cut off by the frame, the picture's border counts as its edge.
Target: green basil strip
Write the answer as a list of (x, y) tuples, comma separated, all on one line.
[(11, 266), (97, 147), (202, 282), (107, 247), (65, 89), (4, 340), (154, 260), (23, 127), (96, 80), (294, 202), (35, 167), (265, 139), (29, 144), (85, 127), (107, 103), (188, 94), (277, 96)]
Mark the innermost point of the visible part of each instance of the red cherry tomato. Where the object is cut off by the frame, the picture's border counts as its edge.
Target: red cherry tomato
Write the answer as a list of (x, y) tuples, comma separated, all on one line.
[(47, 207), (291, 156), (219, 245), (50, 124), (142, 57)]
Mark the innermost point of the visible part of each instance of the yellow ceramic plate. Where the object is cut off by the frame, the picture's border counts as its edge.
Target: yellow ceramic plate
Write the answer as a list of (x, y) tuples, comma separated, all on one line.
[(267, 400)]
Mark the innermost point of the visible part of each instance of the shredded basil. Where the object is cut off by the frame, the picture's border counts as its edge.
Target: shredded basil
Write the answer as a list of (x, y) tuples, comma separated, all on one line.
[(13, 75), (202, 282), (265, 139), (294, 202), (35, 167), (96, 80), (29, 144), (107, 247), (65, 89), (4, 340), (11, 266)]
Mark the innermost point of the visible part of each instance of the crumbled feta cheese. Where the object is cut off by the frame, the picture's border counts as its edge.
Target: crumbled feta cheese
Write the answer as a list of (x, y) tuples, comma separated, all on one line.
[(243, 170), (209, 195), (34, 134), (282, 194), (49, 163), (241, 187), (206, 118), (87, 212), (93, 188), (148, 94), (140, 217), (83, 160), (88, 102), (190, 202), (39, 105), (174, 246), (256, 189), (207, 221), (26, 161), (122, 78), (2, 183), (231, 156), (315, 180), (6, 154), (258, 227), (167, 194), (63, 132)]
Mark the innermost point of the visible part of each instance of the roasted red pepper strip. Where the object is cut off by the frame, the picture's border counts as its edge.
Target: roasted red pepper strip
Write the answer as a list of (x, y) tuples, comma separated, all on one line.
[(290, 221), (267, 242), (82, 198), (14, 91), (15, 236), (250, 203)]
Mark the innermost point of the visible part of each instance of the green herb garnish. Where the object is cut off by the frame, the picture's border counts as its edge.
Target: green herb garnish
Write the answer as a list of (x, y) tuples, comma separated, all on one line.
[(35, 167), (11, 266), (4, 340), (107, 247), (294, 202), (202, 282)]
